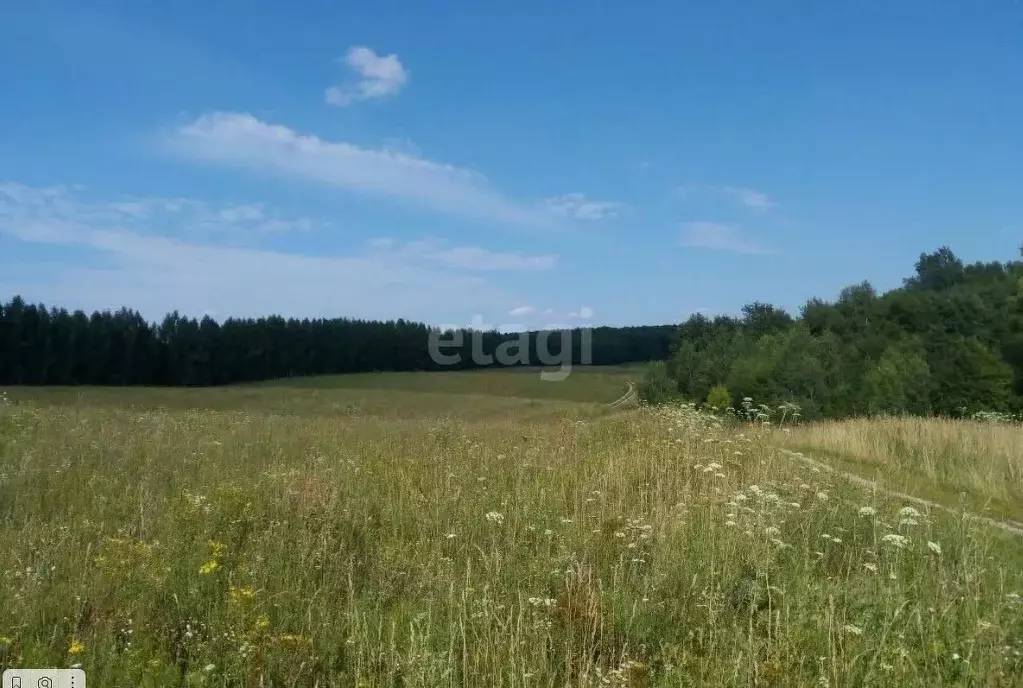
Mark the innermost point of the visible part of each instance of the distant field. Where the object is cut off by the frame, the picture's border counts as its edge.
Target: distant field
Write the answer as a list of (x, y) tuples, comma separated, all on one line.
[(487, 393), (366, 532), (585, 383)]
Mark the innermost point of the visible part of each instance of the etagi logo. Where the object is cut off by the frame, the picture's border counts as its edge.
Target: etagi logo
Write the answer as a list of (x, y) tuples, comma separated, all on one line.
[(514, 348)]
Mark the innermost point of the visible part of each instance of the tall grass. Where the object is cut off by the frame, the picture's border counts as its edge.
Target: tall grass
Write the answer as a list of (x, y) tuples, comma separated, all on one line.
[(953, 461), (227, 547)]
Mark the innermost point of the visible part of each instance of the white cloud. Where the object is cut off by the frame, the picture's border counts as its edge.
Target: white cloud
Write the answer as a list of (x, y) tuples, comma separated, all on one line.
[(241, 140), (155, 267), (577, 206), (241, 213), (583, 313), (521, 310), (720, 237), (379, 76)]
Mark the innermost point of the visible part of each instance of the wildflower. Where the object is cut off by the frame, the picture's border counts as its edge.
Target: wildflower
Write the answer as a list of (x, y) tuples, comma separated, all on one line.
[(262, 623), (867, 511), (238, 594), (771, 530), (908, 522), (209, 567), (823, 496), (495, 517), (895, 540), (76, 647), (908, 512), (934, 547), (216, 547), (730, 524), (209, 667), (855, 630), (870, 567)]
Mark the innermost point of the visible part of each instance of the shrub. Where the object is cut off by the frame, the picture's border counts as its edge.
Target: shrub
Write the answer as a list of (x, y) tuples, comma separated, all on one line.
[(718, 398), (657, 386)]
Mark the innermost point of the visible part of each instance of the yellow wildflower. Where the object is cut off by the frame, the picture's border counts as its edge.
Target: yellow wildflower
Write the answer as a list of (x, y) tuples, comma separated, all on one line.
[(239, 594), (292, 639), (209, 567), (76, 647), (217, 547), (262, 623)]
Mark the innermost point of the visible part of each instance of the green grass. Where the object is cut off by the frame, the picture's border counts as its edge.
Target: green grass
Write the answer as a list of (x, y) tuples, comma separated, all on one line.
[(585, 383), (435, 539)]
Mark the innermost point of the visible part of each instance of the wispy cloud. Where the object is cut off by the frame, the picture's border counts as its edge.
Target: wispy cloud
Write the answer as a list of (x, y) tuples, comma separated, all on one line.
[(749, 199), (719, 237), (242, 141), (378, 76), (521, 310), (583, 313), (577, 206), (472, 258), (145, 253)]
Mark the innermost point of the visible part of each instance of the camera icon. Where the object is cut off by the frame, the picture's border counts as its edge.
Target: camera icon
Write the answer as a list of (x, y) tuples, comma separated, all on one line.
[(43, 678)]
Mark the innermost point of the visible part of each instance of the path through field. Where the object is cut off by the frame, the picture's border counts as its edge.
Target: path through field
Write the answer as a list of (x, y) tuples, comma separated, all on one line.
[(1010, 526), (630, 395)]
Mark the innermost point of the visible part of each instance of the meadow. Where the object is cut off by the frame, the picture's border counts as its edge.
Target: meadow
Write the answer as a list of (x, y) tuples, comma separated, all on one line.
[(433, 530)]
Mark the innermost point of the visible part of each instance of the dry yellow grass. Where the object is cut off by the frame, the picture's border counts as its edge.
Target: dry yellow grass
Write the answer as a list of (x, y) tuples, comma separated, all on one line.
[(969, 463)]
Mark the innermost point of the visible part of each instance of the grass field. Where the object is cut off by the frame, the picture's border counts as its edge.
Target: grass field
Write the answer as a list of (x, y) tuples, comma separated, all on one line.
[(495, 533)]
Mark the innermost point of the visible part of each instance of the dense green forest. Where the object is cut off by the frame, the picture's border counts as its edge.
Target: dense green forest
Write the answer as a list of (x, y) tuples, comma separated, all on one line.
[(40, 346), (949, 341)]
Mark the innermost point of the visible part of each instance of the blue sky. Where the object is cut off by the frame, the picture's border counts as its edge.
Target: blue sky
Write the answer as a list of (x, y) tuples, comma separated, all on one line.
[(518, 165)]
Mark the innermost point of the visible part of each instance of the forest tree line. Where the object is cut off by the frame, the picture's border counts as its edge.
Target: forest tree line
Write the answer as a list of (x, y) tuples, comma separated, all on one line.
[(949, 342), (50, 346)]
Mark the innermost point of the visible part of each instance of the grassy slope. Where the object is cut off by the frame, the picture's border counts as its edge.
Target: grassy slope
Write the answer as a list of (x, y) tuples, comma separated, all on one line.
[(977, 466), (459, 545)]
